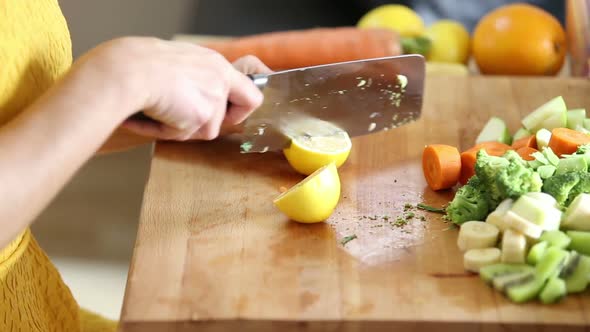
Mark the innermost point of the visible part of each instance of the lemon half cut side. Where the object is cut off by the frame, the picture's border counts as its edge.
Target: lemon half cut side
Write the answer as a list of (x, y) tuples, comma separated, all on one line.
[(315, 144)]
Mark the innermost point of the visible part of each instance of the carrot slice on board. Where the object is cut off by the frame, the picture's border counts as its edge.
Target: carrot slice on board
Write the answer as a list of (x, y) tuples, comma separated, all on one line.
[(491, 146), (529, 141), (441, 165), (468, 159), (566, 141), (525, 152)]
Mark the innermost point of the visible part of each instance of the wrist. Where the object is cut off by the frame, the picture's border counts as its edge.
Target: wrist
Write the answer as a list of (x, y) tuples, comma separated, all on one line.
[(102, 75)]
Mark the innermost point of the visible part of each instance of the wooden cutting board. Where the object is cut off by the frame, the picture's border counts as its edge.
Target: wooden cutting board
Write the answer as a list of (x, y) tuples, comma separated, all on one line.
[(212, 252)]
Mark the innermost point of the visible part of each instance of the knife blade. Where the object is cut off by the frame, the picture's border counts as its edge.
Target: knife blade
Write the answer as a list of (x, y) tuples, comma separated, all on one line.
[(361, 97)]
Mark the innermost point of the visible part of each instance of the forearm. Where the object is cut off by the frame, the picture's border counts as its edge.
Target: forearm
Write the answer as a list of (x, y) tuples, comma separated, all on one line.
[(46, 145), (123, 139)]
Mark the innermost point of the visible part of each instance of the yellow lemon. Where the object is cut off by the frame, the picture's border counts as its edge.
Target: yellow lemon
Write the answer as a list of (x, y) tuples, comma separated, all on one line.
[(313, 199), (396, 17), (449, 42), (314, 144)]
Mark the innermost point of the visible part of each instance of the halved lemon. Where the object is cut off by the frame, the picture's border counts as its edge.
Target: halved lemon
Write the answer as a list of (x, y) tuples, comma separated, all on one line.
[(315, 144), (313, 199)]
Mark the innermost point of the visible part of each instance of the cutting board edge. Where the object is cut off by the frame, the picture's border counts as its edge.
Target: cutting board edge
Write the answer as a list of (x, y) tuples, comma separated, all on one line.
[(344, 325)]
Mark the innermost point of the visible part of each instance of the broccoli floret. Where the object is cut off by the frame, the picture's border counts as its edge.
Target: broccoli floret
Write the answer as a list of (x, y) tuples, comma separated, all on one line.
[(560, 186), (583, 186), (513, 157), (475, 181), (567, 186), (517, 179), (470, 203), (487, 168)]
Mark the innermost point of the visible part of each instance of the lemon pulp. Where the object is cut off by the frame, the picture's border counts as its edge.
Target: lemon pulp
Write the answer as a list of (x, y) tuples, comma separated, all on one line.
[(314, 144)]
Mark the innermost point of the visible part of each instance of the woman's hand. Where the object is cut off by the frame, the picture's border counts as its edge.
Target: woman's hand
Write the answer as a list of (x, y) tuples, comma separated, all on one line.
[(183, 87)]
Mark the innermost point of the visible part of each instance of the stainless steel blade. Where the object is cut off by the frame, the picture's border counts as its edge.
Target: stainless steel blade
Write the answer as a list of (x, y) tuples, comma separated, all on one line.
[(361, 97)]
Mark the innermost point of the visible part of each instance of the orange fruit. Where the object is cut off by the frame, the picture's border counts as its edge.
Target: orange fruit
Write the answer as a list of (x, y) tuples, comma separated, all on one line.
[(519, 39)]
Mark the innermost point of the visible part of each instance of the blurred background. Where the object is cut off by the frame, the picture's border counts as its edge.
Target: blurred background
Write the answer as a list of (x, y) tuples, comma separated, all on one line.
[(89, 230)]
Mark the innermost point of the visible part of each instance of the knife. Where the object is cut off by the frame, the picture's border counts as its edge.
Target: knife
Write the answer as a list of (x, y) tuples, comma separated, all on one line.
[(360, 97)]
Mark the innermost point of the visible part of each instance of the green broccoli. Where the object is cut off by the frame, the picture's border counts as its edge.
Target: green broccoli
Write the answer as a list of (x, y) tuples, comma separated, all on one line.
[(487, 168), (567, 186), (514, 157), (583, 186), (508, 176), (470, 202), (517, 179), (562, 186)]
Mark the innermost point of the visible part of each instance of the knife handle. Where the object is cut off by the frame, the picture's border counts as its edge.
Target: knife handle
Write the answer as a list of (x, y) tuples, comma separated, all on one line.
[(259, 80)]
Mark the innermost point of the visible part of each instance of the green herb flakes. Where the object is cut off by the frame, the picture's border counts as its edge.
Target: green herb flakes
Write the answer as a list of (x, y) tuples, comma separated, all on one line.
[(246, 147), (347, 239), (430, 208)]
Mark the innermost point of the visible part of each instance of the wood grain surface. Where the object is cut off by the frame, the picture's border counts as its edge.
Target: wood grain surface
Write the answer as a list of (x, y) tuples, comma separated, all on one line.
[(213, 254)]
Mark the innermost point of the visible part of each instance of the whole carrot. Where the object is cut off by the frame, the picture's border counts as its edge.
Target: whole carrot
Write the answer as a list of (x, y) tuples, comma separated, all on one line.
[(309, 47)]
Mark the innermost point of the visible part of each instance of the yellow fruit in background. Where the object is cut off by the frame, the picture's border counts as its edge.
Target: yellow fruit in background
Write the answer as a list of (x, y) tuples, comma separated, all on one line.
[(446, 69), (315, 144), (450, 42), (313, 199), (396, 17)]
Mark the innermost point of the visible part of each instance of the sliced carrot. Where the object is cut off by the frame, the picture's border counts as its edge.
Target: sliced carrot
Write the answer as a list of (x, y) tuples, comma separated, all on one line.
[(441, 165), (469, 157), (526, 151), (313, 46), (492, 148), (566, 141), (529, 141)]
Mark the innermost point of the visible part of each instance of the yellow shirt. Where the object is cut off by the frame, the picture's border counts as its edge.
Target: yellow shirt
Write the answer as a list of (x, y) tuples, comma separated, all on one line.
[(35, 50)]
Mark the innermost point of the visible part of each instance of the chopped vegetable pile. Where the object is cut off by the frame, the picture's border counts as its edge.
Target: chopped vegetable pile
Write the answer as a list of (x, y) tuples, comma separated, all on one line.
[(522, 202)]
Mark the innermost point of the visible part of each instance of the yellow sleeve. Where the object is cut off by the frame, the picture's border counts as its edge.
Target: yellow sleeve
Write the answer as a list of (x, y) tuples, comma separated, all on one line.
[(34, 296)]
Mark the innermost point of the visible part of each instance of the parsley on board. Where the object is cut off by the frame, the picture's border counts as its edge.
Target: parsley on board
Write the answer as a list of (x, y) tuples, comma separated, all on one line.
[(347, 239), (430, 208)]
